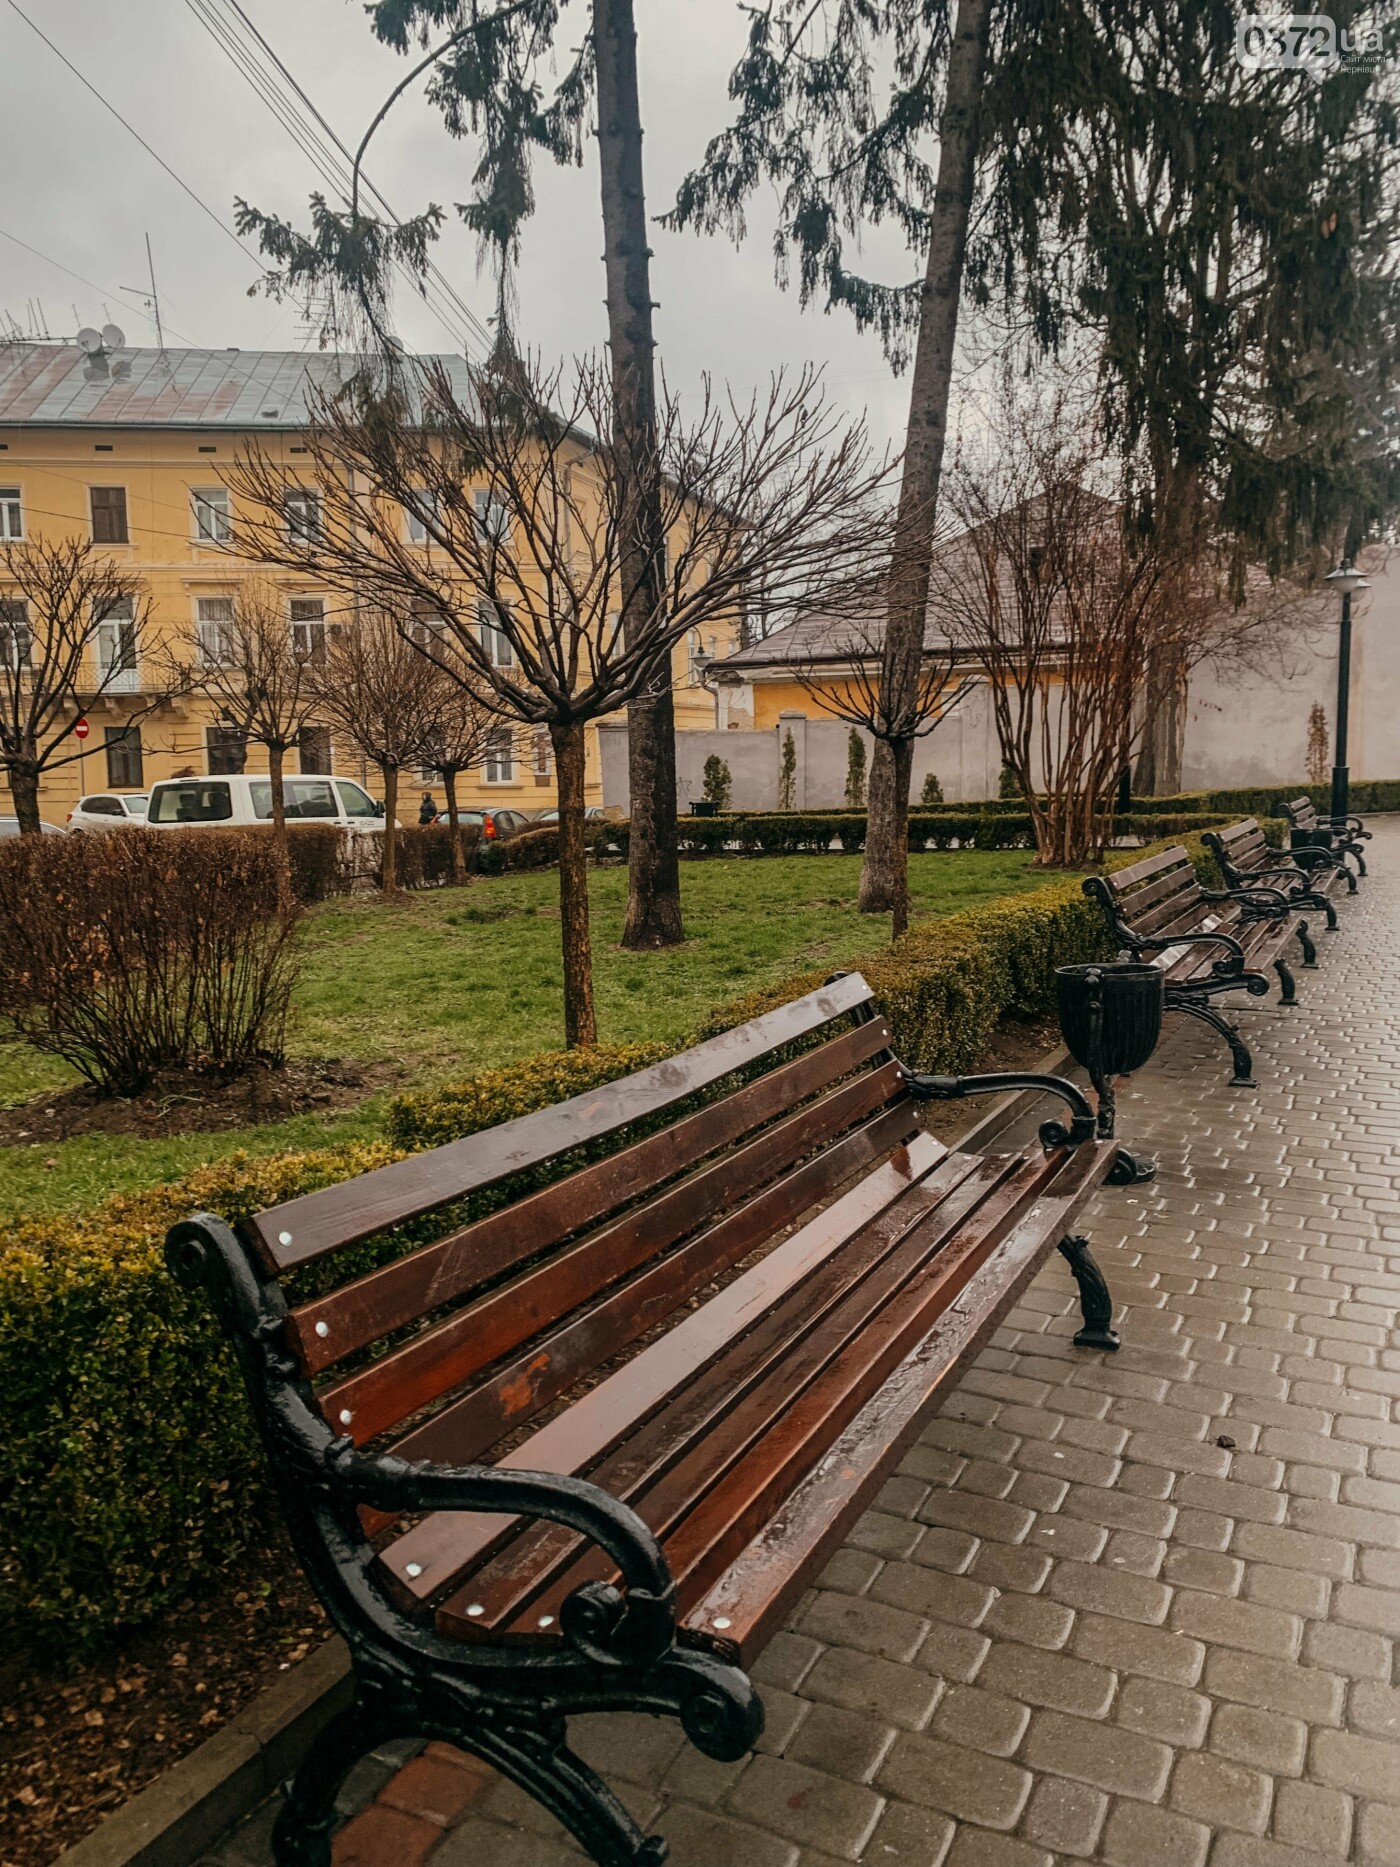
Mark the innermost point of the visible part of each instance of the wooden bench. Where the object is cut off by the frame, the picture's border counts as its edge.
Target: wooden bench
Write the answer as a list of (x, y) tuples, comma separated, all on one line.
[(1206, 942), (1306, 878), (1342, 836), (691, 1364)]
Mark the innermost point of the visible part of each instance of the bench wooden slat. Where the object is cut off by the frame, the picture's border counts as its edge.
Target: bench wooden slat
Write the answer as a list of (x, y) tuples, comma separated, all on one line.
[(536, 1557), (763, 1583), (305, 1228), (397, 1385), (332, 1326), (708, 1507), (443, 1544), (1135, 872)]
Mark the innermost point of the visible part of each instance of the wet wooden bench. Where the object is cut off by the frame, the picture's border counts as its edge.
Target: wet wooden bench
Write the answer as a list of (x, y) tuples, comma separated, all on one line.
[(1340, 837), (1305, 878), (587, 1449), (1207, 942)]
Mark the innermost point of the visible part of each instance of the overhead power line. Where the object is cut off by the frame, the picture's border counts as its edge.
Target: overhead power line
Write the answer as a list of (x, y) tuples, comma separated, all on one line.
[(107, 105), (102, 292), (272, 82)]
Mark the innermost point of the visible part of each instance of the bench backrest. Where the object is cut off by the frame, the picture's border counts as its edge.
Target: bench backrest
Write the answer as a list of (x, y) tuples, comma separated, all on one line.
[(501, 1311), (1242, 847), (1301, 813), (1158, 895)]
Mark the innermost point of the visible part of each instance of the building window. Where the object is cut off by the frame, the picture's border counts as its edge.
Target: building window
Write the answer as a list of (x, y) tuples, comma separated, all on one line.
[(303, 514), (309, 629), (417, 530), (425, 626), (109, 515), (116, 645), (492, 515), (314, 749), (226, 750), (540, 757), (212, 521), (16, 639), (11, 513), (494, 638), (123, 749), (499, 763), (214, 631)]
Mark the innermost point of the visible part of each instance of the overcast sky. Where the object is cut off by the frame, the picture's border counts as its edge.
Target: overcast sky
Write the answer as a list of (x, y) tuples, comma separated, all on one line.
[(84, 193)]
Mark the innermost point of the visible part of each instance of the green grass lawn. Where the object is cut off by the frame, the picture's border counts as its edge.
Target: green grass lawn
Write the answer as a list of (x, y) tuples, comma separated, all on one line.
[(461, 980)]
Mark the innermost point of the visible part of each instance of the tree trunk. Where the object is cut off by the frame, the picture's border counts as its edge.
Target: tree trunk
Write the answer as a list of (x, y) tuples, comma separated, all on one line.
[(884, 878), (454, 828), (276, 759), (1164, 706), (24, 789), (580, 1026), (653, 863), (389, 857)]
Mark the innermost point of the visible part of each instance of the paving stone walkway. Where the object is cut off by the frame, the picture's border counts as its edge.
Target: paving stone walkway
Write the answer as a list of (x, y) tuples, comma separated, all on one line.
[(1139, 1608)]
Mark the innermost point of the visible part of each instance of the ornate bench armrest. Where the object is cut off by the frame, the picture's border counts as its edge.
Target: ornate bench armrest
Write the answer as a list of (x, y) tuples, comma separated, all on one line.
[(637, 1627), (1145, 943), (926, 1088), (1314, 858), (1272, 897)]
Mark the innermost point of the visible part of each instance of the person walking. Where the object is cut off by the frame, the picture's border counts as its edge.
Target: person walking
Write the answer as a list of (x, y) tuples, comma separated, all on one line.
[(427, 810)]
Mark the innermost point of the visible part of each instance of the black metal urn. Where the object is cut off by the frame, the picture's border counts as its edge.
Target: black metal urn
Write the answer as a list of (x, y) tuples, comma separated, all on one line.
[(1111, 1017)]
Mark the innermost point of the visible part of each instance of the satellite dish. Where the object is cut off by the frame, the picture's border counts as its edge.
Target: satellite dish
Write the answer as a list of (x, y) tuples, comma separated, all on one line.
[(113, 336), (90, 340)]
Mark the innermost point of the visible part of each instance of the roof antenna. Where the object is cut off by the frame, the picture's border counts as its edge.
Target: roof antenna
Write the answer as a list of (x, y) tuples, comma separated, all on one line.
[(150, 298)]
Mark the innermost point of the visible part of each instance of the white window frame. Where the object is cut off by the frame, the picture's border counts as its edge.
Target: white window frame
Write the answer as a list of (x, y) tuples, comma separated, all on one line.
[(11, 513), (305, 501), (119, 629), (16, 636), (413, 525), (308, 631), (541, 754), (213, 514), (213, 634), (500, 650), (498, 759), (492, 514)]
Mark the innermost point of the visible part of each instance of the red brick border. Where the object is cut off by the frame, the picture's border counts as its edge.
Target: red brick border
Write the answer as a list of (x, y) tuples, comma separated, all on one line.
[(413, 1811)]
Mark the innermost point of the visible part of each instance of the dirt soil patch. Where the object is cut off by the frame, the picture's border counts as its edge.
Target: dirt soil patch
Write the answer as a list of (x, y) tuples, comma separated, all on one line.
[(80, 1737), (195, 1101)]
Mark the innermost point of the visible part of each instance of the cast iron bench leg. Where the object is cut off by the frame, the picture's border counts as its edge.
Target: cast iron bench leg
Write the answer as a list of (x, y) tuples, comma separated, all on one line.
[(301, 1835), (1243, 1077), (1288, 991), (1094, 1300), (1305, 940)]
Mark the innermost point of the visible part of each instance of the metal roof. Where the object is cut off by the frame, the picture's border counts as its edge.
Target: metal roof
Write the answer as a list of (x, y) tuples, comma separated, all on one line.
[(61, 386)]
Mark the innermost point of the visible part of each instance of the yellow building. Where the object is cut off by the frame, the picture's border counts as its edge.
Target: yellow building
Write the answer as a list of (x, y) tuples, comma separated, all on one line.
[(130, 448)]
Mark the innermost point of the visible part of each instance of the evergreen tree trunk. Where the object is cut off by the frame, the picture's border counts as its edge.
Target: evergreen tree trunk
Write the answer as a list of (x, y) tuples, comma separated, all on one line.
[(389, 857), (1158, 771), (454, 828), (884, 876), (580, 1026), (653, 862), (24, 789)]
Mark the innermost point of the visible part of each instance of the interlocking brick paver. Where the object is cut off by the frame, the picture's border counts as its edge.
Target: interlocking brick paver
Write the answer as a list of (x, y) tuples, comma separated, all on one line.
[(1221, 1793), (1137, 1834), (961, 1782), (1308, 1816), (804, 1805), (1065, 1817), (1169, 1712), (1115, 1760), (1267, 1740)]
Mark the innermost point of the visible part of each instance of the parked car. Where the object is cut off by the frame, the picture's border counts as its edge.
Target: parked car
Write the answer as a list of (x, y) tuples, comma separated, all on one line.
[(495, 825), (592, 813), (9, 826), (176, 803), (108, 810)]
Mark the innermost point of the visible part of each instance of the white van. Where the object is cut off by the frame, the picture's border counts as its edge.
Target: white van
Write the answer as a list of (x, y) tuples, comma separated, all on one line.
[(176, 803)]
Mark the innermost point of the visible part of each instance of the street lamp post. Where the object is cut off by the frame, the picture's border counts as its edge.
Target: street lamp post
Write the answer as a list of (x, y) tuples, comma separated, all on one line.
[(1346, 579)]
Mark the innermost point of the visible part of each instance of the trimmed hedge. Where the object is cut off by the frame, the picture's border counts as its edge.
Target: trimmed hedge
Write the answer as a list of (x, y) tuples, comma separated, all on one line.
[(982, 826), (129, 1468)]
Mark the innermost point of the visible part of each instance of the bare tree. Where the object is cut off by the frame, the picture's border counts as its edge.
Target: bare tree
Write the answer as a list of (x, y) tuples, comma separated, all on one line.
[(845, 673), (259, 668), (376, 690), (463, 730), (74, 629), (524, 504)]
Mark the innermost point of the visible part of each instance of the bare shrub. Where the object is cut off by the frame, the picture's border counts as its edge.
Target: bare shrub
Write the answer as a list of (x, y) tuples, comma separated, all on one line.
[(138, 952)]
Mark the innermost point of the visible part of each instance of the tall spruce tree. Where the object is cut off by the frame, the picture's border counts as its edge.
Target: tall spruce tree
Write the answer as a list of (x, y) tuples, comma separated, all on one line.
[(1223, 235), (491, 75)]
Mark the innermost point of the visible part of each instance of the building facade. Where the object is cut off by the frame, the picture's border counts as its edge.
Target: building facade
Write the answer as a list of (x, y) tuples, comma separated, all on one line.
[(130, 448)]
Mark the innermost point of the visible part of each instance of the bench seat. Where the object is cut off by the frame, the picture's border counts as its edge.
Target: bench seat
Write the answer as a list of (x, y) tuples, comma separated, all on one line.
[(1307, 878)]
